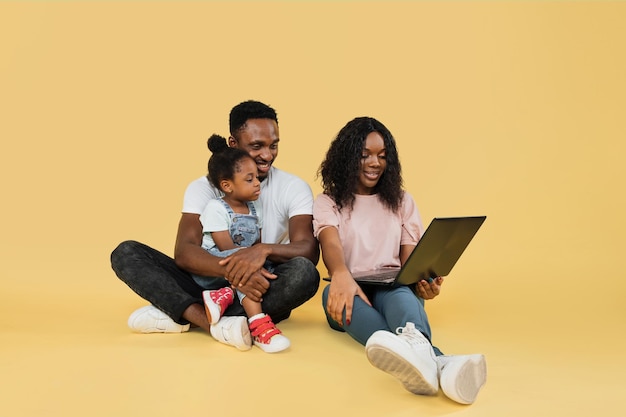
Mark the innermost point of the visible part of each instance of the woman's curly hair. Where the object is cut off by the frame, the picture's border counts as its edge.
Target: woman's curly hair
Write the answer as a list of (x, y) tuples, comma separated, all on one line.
[(341, 166)]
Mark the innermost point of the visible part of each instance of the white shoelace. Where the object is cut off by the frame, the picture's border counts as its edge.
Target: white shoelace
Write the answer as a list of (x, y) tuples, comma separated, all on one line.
[(413, 336)]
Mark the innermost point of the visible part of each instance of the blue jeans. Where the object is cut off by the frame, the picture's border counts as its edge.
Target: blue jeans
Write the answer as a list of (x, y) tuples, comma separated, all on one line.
[(155, 277), (392, 307)]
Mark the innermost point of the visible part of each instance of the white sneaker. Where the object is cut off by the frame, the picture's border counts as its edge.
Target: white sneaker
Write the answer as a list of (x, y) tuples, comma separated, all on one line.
[(233, 331), (462, 376), (150, 319), (408, 356), (266, 335)]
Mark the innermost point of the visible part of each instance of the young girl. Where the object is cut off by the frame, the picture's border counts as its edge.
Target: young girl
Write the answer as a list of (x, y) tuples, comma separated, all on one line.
[(364, 221), (231, 223)]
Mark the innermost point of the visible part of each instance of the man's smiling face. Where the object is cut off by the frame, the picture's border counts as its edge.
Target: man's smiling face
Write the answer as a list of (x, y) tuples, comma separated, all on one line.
[(258, 137)]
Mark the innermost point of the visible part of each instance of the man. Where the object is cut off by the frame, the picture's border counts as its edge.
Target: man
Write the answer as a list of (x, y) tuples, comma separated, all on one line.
[(174, 286)]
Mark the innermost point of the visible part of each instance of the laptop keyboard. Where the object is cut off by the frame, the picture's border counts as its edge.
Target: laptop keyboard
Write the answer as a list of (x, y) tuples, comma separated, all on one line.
[(380, 276)]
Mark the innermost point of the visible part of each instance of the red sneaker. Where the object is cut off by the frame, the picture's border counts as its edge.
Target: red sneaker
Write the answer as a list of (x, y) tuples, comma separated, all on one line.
[(216, 302), (266, 336)]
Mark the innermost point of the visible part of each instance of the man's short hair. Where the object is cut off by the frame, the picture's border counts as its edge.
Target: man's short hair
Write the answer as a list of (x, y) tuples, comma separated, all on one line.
[(250, 109)]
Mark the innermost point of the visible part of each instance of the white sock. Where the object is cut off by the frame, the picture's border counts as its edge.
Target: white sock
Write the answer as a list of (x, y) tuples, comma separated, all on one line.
[(256, 316)]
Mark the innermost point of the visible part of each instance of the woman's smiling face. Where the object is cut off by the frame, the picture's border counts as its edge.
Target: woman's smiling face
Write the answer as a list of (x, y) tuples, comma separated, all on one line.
[(373, 163)]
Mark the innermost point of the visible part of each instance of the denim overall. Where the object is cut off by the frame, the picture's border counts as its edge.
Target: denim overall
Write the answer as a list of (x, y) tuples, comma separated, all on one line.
[(244, 231)]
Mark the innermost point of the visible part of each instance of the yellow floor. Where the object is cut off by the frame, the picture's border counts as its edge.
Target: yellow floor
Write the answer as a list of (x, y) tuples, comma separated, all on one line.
[(71, 354)]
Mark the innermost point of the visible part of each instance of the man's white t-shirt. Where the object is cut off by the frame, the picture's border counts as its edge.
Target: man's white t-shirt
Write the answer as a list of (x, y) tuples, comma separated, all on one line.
[(283, 196)]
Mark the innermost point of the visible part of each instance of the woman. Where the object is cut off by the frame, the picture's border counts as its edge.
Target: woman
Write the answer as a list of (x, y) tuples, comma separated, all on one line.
[(364, 221)]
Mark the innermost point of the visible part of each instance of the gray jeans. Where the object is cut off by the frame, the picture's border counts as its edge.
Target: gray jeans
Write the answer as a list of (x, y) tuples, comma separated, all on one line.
[(392, 307), (155, 277)]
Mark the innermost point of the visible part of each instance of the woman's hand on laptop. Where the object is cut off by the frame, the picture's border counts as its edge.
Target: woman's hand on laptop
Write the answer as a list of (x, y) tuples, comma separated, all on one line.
[(429, 290)]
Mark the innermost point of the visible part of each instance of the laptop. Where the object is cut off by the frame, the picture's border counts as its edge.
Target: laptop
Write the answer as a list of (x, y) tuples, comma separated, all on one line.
[(435, 255)]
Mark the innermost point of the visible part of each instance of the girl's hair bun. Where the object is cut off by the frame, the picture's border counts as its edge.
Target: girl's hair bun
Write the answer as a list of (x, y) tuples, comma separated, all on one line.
[(217, 143)]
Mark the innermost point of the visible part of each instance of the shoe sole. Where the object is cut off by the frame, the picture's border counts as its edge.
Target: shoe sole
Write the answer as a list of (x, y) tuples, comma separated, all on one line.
[(388, 361), (470, 378), (273, 348), (212, 309)]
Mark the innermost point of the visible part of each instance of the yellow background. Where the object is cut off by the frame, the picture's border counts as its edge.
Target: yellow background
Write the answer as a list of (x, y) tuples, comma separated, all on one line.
[(514, 110)]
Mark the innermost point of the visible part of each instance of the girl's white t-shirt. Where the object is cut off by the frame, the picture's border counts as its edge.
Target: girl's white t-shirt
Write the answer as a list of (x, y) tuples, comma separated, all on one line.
[(283, 196)]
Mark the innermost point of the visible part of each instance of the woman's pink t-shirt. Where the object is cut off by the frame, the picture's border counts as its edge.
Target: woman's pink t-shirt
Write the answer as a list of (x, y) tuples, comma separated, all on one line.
[(371, 234)]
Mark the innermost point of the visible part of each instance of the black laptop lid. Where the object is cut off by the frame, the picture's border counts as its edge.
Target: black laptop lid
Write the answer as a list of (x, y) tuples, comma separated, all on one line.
[(440, 248)]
